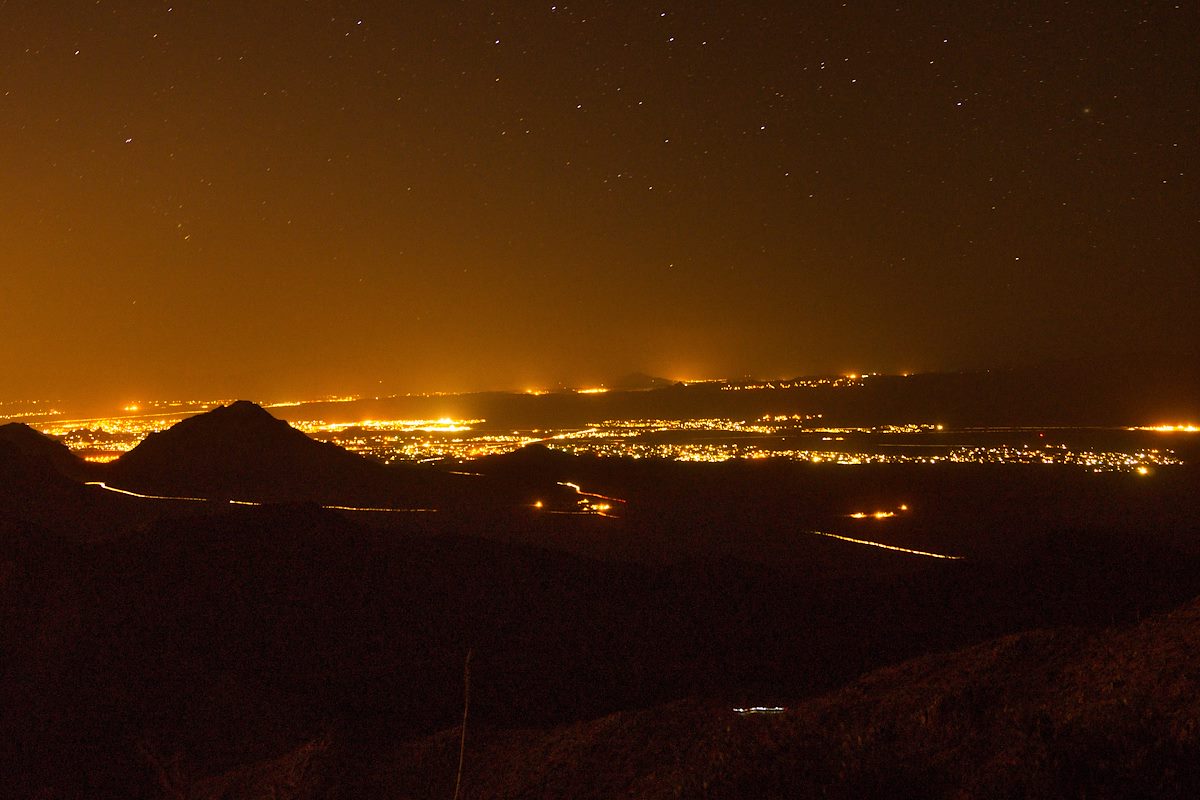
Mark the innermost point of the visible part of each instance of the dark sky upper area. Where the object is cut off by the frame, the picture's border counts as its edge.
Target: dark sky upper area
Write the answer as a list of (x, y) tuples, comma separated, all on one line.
[(295, 198)]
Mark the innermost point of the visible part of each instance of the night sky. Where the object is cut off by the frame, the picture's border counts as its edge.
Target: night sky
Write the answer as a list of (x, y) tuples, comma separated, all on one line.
[(268, 199)]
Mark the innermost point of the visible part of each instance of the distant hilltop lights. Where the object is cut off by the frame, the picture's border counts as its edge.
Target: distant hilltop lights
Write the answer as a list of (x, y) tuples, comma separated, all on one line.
[(733, 385), (832, 381)]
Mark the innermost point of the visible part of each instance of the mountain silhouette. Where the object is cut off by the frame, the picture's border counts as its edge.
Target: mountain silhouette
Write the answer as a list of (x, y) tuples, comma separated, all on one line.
[(33, 491), (34, 443), (26, 474), (635, 381), (241, 452)]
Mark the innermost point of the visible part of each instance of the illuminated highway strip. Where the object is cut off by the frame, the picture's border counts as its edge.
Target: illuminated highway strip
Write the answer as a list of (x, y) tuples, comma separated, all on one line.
[(108, 488), (887, 546), (760, 710), (141, 496)]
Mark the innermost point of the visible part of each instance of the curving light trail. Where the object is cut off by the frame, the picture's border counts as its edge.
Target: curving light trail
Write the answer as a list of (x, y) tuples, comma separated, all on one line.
[(600, 509)]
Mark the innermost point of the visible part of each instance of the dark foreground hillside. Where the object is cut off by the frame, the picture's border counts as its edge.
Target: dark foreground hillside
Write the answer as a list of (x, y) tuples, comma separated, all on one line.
[(161, 648), (1040, 714), (193, 646)]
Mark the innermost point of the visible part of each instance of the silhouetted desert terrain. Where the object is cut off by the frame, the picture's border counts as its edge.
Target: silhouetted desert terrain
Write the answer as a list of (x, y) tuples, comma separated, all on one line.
[(164, 648)]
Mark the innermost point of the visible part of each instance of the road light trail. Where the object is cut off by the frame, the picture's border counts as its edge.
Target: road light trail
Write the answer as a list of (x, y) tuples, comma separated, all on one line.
[(579, 491), (599, 509), (887, 546), (141, 496), (382, 510)]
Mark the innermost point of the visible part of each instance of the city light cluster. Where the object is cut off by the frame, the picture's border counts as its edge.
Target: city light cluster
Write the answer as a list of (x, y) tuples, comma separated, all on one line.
[(105, 439), (1098, 461), (916, 427), (788, 436)]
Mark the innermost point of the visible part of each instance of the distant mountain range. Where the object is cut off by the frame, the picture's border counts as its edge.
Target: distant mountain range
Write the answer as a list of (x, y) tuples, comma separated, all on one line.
[(1134, 390), (639, 381)]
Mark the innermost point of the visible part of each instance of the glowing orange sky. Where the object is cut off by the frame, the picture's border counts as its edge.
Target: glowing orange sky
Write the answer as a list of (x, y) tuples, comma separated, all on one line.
[(260, 199)]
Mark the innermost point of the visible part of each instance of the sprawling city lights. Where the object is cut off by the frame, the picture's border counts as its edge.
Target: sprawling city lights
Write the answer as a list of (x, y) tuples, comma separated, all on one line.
[(792, 436)]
